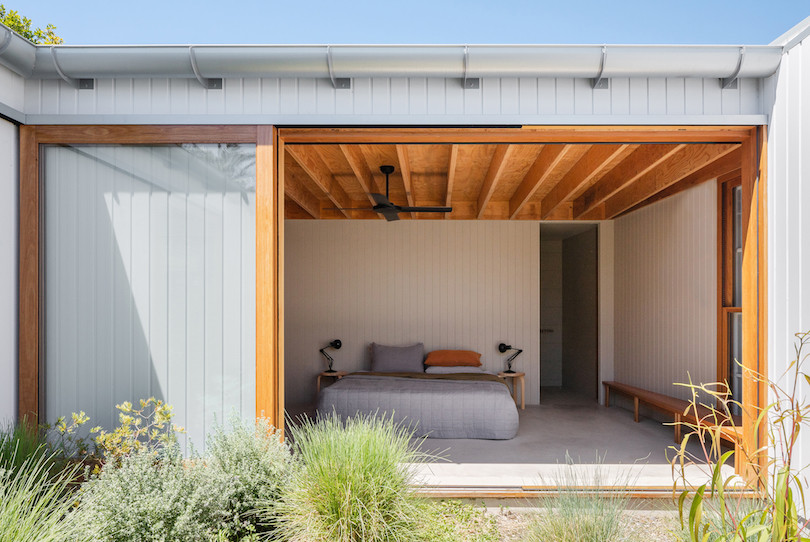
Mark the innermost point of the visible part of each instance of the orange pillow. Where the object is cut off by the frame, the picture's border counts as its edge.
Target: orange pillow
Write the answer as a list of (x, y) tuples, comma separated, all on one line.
[(454, 358)]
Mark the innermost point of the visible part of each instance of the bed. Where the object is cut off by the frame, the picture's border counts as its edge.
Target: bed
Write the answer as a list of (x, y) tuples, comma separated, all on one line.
[(448, 406)]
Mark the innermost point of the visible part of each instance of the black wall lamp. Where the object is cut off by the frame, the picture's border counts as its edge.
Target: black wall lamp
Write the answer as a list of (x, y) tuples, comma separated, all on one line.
[(503, 348), (336, 344)]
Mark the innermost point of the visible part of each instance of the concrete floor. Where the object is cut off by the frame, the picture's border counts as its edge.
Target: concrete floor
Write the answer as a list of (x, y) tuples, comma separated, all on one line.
[(564, 425)]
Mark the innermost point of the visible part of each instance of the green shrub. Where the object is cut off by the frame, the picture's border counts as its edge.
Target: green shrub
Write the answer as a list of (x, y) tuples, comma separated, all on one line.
[(585, 507), (150, 497), (148, 427), (21, 443), (251, 467), (715, 509), (35, 505), (353, 483)]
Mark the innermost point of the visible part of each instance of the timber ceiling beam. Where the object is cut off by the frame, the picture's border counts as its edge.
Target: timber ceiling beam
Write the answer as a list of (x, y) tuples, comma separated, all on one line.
[(305, 199), (596, 162), (354, 156), (320, 174), (727, 167), (686, 162), (548, 159), (526, 134), (405, 171), (497, 166), (451, 178), (643, 160)]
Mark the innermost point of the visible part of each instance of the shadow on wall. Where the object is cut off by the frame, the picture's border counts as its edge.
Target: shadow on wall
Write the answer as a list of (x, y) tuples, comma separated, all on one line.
[(145, 285)]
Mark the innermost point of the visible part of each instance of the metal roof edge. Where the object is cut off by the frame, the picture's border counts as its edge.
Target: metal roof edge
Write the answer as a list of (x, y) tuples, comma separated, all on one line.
[(16, 53)]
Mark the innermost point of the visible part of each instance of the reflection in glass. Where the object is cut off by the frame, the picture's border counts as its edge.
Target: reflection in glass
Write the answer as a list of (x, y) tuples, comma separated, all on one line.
[(149, 266), (735, 358)]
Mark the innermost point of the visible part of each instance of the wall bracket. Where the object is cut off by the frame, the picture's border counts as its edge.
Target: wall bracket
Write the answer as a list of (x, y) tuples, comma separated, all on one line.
[(340, 83), (469, 83), (730, 82), (601, 82), (210, 83)]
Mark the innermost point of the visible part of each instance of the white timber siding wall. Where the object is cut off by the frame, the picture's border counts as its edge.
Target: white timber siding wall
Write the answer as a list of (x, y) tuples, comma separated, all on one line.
[(8, 270), (788, 207), (394, 101), (448, 284), (149, 285), (12, 94), (666, 292)]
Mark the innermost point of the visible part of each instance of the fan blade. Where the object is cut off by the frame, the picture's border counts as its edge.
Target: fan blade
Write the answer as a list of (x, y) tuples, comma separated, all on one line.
[(390, 213), (379, 199), (426, 209)]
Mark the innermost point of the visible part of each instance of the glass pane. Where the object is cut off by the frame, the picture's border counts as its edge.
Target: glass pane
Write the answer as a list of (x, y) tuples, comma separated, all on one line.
[(149, 265), (735, 357), (737, 246)]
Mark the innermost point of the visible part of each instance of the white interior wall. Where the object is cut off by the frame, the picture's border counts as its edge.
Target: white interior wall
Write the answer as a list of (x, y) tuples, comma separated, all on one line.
[(9, 169), (606, 304), (448, 284), (788, 208), (666, 292)]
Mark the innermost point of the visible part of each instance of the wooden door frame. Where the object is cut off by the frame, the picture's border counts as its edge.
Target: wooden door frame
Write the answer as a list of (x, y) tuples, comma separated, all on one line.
[(270, 143), (269, 246)]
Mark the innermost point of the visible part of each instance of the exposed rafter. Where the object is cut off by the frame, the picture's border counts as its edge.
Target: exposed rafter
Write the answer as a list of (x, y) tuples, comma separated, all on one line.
[(496, 168), (596, 162), (405, 171), (676, 168), (451, 178), (727, 167), (549, 158), (305, 199), (645, 159), (354, 156), (319, 172)]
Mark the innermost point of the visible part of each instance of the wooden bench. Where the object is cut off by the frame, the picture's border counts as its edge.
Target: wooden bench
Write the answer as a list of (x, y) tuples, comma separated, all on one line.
[(682, 411)]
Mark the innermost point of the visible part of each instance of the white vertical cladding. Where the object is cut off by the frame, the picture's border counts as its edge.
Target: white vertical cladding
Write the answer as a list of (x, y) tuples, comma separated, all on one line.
[(9, 181), (397, 98), (12, 89), (666, 289), (448, 284), (150, 282), (606, 303), (788, 217)]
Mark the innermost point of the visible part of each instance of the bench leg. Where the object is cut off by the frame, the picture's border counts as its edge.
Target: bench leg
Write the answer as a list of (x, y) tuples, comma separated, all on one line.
[(635, 409), (738, 457), (677, 428), (607, 395)]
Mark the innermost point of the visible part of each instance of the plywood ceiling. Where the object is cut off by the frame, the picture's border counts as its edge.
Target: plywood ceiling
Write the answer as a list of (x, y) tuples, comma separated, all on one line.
[(510, 181)]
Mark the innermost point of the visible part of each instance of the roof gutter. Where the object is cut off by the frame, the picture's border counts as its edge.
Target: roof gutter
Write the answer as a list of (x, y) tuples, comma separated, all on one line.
[(433, 61)]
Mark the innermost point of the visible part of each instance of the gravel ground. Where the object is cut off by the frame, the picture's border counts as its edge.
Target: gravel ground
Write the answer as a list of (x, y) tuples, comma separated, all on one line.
[(641, 525)]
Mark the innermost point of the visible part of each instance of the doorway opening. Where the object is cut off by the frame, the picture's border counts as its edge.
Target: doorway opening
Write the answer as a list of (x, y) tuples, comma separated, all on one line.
[(569, 309)]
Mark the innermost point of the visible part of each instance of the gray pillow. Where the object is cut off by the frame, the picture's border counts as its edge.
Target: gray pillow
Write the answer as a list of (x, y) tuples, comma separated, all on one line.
[(397, 359)]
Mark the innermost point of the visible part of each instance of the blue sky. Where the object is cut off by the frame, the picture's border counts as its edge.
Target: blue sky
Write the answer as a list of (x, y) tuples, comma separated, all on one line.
[(415, 21)]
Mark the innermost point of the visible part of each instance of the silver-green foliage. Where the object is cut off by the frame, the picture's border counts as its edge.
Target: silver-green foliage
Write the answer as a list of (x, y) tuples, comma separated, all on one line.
[(712, 511), (250, 466), (586, 507), (353, 483), (35, 504), (150, 498)]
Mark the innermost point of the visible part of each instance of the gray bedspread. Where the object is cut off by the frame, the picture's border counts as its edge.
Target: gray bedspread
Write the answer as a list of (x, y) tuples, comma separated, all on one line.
[(437, 408)]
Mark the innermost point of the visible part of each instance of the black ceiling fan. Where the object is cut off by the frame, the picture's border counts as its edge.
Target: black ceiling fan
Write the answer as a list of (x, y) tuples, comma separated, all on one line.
[(391, 211)]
